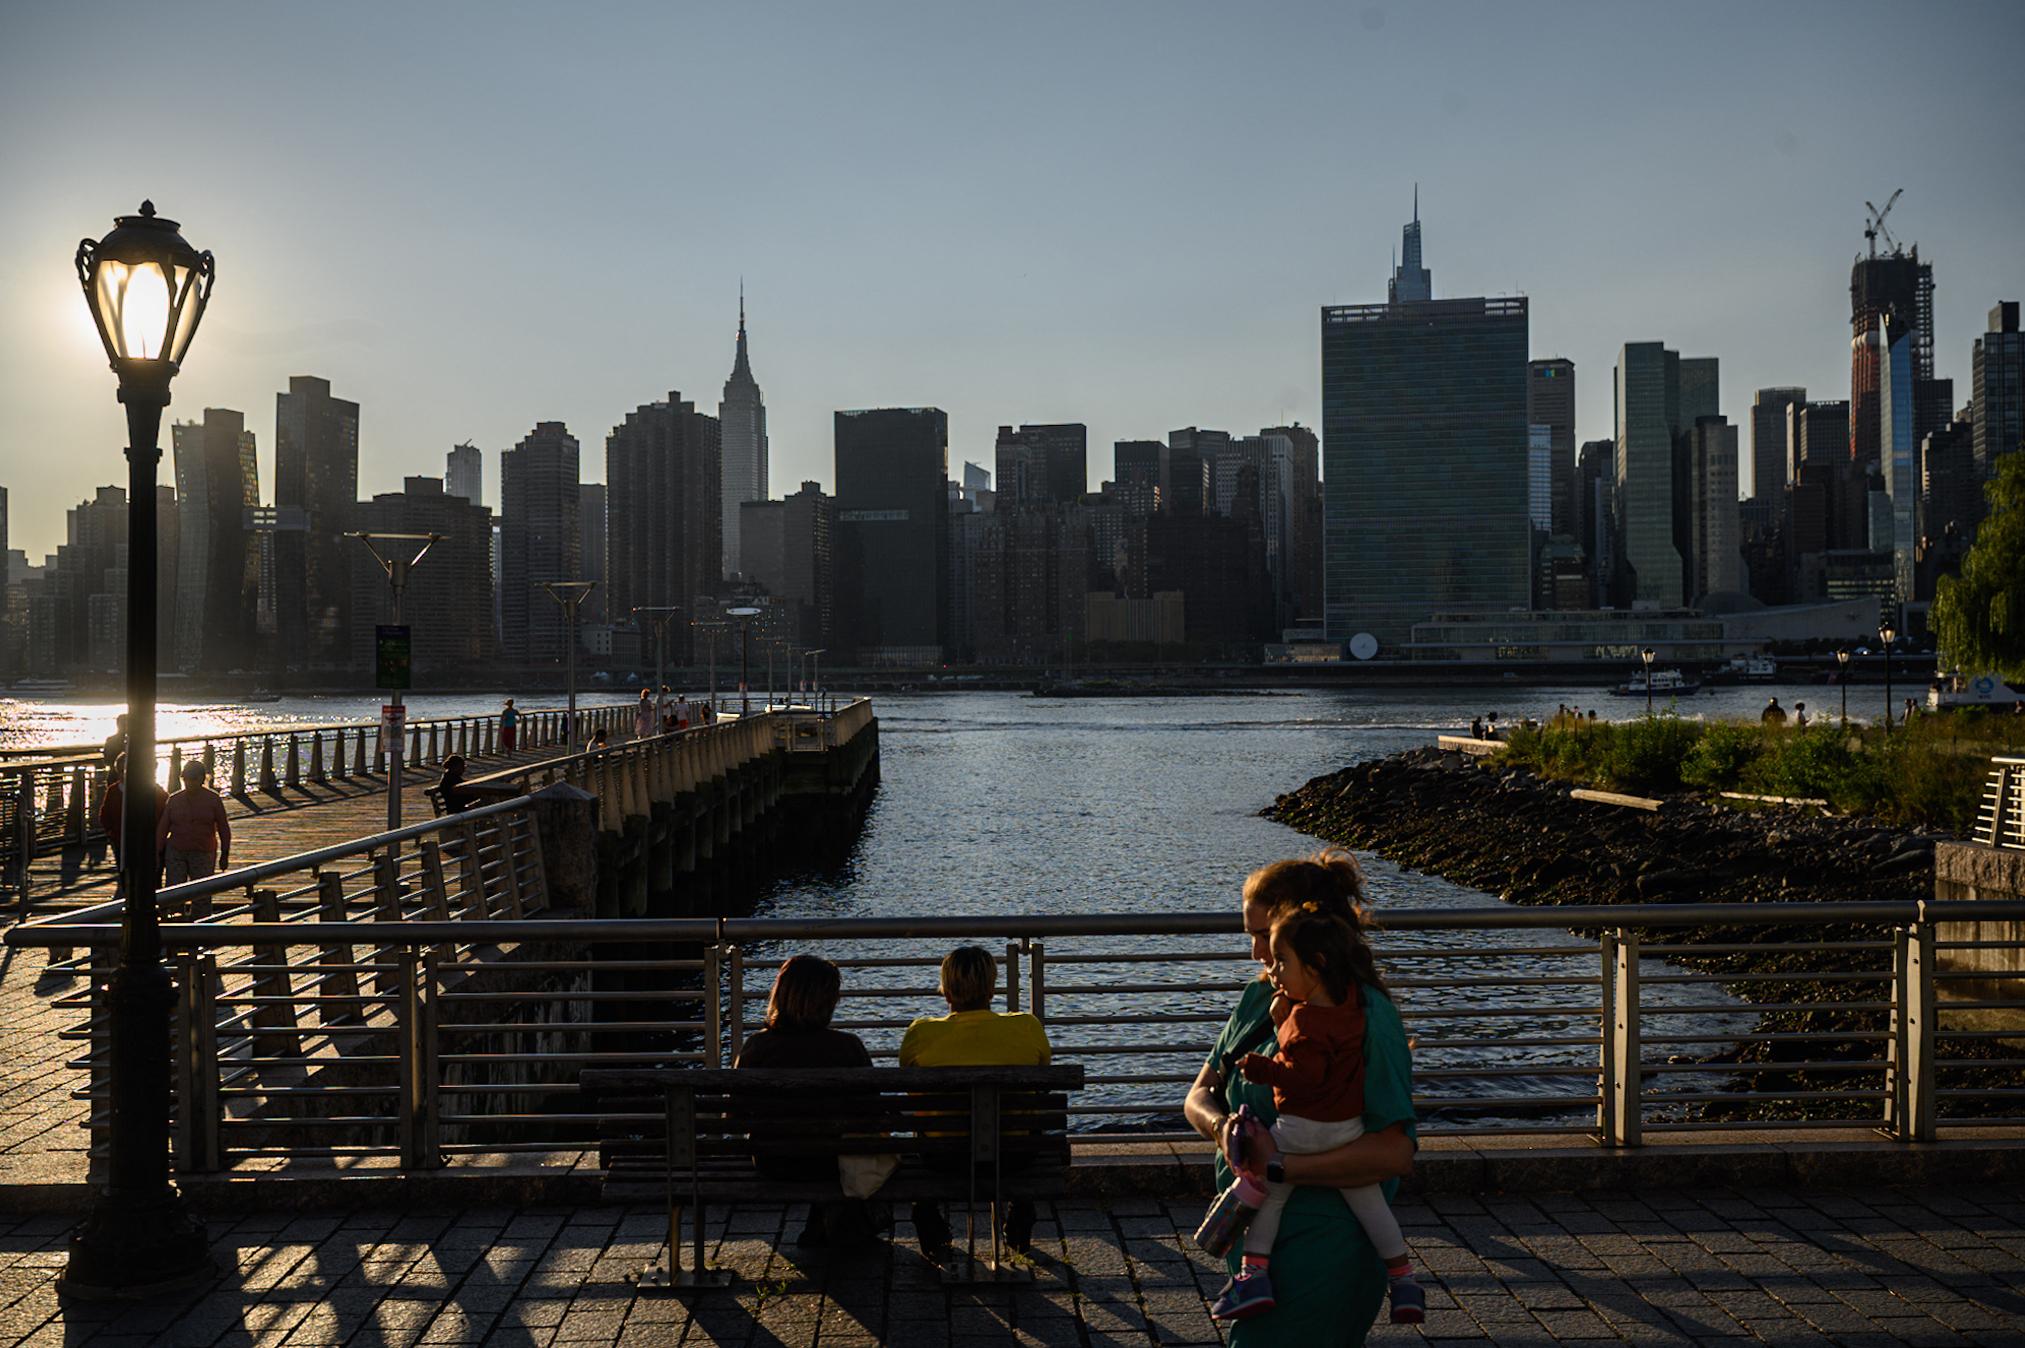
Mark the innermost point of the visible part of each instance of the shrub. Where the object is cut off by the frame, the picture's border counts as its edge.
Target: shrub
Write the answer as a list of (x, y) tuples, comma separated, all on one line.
[(1646, 754), (1726, 754)]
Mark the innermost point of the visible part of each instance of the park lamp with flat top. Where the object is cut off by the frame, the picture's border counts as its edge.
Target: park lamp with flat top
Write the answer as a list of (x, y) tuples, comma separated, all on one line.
[(571, 595), (397, 556), (147, 289)]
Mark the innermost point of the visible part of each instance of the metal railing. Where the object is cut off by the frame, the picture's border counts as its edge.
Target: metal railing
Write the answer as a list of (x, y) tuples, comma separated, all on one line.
[(50, 801), (2001, 820), (374, 1018)]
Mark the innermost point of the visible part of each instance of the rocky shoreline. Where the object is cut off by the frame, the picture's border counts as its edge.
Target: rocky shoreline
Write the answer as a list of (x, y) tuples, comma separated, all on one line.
[(1509, 832)]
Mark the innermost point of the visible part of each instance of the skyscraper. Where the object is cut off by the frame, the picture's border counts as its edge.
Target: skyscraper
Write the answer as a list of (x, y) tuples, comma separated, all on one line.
[(663, 503), (1303, 566), (316, 471), (1424, 457), (1898, 453), (539, 536), (464, 473), (1717, 545), (1769, 455), (785, 546), (1550, 402), (1411, 282), (1998, 395), (591, 548), (1900, 287), (1648, 416), (218, 569), (1140, 468), (1039, 463), (1191, 470), (892, 587), (741, 415)]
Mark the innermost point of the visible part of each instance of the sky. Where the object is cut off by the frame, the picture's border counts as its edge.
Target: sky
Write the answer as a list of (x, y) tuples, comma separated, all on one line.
[(473, 217)]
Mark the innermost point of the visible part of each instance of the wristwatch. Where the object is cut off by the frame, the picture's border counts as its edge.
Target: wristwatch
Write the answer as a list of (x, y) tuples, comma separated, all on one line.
[(1276, 1171)]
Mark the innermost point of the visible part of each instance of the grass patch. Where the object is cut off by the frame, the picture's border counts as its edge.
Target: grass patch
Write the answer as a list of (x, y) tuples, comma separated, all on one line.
[(1928, 774)]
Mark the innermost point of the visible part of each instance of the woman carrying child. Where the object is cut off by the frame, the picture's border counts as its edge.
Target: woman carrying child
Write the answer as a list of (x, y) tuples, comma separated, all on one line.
[(1327, 1279)]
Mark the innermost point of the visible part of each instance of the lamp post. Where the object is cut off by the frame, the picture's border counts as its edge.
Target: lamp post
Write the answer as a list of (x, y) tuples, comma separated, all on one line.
[(710, 631), (658, 615), (816, 683), (745, 617), (571, 595), (1887, 634), (387, 550), (1842, 662), (1647, 655), (147, 289)]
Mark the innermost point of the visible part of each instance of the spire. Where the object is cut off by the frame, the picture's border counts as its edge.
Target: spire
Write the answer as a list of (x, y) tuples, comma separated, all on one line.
[(1410, 280), (1416, 220), (741, 369)]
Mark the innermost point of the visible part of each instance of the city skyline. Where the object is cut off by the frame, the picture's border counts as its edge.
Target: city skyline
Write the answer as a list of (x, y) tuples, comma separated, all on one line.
[(1122, 314)]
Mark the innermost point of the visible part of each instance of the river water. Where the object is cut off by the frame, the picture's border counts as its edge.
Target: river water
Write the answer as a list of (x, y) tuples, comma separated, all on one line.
[(996, 803)]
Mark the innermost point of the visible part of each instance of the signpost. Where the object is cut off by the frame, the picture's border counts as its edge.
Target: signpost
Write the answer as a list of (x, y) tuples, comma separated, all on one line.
[(393, 663)]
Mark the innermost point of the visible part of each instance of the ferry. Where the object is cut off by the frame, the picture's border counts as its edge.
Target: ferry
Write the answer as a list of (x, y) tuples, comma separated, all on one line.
[(1665, 683), (1748, 669), (1982, 690)]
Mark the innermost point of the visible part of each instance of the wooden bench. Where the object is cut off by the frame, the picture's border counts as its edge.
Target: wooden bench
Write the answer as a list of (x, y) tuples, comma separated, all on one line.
[(952, 1128), (485, 793)]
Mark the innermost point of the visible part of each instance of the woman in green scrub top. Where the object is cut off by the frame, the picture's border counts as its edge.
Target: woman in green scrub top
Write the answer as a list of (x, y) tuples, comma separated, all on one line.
[(1328, 1281)]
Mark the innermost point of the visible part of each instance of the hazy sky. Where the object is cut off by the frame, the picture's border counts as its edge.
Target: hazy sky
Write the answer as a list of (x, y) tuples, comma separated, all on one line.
[(473, 217)]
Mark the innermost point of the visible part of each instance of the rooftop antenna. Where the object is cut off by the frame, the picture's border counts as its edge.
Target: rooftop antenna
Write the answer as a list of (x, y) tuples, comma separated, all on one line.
[(1874, 228)]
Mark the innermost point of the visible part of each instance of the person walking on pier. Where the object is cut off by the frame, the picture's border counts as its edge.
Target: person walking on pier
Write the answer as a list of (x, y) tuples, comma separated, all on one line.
[(112, 813), (1800, 715), (1774, 714), (194, 834), (509, 727), (682, 712), (115, 747), (643, 715)]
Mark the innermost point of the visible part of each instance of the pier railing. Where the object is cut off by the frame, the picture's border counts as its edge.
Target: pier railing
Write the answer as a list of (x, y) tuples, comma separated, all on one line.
[(2001, 820), (50, 800), (373, 1013)]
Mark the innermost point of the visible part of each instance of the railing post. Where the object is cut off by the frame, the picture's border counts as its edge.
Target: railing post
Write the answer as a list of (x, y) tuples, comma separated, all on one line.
[(294, 767), (713, 1010), (316, 772), (359, 753), (176, 766), (340, 766), (98, 1106), (275, 1034), (239, 767), (267, 780), (1623, 1087), (387, 908), (24, 836), (420, 1112), (433, 887), (1037, 982), (1915, 1017), (735, 999), (1012, 975), (197, 1112)]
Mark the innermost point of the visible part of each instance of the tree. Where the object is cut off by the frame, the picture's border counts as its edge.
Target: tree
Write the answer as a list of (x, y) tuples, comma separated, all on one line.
[(1979, 616)]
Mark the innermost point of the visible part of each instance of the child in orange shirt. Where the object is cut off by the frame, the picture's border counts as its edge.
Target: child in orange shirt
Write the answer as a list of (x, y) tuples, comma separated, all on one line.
[(1317, 1078)]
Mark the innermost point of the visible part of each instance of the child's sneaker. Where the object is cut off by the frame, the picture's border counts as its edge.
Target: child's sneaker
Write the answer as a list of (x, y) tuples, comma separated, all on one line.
[(1248, 1294), (1409, 1302)]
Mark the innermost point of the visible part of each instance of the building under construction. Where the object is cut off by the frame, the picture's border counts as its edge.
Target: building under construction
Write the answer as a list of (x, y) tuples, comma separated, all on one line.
[(1895, 287)]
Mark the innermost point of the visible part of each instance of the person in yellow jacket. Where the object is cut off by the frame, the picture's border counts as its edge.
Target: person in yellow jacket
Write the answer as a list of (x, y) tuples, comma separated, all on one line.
[(973, 1035)]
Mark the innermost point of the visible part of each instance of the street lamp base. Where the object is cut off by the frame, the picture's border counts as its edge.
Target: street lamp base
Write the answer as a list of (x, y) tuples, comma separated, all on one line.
[(131, 1249)]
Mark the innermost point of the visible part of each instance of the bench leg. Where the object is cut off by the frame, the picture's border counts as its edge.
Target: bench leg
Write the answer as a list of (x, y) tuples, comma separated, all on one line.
[(666, 1274)]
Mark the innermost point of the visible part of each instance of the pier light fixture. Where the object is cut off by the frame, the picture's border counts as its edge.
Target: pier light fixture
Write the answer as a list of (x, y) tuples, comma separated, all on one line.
[(397, 554), (658, 614), (1886, 634), (1842, 662), (1647, 655), (745, 616), (147, 289), (571, 595)]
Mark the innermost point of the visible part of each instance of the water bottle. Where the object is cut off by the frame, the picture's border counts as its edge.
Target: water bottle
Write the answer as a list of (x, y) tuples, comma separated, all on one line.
[(1225, 1222)]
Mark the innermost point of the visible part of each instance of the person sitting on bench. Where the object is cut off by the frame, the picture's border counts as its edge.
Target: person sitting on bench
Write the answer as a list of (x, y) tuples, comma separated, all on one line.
[(798, 1034), (973, 1035)]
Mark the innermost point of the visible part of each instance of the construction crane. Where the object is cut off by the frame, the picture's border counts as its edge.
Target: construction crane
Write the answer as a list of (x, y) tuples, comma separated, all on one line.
[(1874, 227)]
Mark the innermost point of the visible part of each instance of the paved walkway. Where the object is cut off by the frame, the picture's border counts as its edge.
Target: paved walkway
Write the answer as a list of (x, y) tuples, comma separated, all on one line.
[(1892, 1267)]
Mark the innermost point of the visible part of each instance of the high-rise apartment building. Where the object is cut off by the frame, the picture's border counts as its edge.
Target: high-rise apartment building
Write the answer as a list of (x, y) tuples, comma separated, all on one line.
[(1998, 393), (1595, 484), (1817, 432), (663, 510), (540, 532), (1424, 459), (1029, 582), (892, 585), (1550, 402), (597, 606), (1769, 454), (784, 545), (1303, 551), (1951, 490), (741, 416), (1717, 545), (1140, 472), (448, 632), (218, 563), (1042, 463), (316, 471), (464, 473)]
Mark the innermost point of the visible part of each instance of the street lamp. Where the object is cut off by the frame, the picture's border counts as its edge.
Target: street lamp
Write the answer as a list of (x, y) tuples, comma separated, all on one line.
[(710, 631), (816, 684), (745, 617), (659, 614), (1647, 655), (388, 550), (1842, 661), (1886, 633), (571, 595), (147, 289)]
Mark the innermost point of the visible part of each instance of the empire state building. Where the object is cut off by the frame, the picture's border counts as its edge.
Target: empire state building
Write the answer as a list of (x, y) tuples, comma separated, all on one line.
[(742, 413)]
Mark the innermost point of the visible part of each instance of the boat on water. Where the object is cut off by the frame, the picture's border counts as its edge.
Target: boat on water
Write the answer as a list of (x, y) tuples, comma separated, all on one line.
[(37, 687), (1665, 683), (1980, 690), (1747, 669)]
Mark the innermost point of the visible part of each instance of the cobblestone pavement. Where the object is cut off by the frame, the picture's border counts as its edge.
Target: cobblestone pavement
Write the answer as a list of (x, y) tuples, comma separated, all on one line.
[(1892, 1267)]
